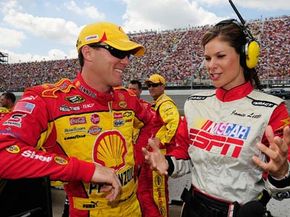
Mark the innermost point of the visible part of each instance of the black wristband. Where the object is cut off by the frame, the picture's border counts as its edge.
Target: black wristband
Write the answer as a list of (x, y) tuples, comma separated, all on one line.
[(170, 165), (281, 183)]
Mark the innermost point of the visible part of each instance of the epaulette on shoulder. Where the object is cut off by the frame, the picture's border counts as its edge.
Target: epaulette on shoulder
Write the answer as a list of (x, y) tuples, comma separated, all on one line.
[(120, 88), (131, 92), (123, 89), (49, 90)]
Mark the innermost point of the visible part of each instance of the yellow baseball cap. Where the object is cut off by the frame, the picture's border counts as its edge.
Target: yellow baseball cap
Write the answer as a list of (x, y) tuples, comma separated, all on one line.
[(156, 78), (110, 34)]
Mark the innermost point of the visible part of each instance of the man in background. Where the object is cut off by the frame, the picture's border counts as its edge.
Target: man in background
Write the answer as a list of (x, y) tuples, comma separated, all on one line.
[(140, 139), (136, 87), (7, 101), (153, 188)]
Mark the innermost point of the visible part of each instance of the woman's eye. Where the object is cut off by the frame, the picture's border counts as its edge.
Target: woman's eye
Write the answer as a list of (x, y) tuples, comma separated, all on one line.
[(221, 56)]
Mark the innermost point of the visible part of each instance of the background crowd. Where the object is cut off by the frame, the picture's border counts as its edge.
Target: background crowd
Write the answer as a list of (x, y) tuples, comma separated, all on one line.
[(176, 54)]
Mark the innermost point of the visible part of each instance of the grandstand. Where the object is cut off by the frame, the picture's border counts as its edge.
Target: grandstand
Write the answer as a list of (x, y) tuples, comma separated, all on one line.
[(3, 57), (176, 54)]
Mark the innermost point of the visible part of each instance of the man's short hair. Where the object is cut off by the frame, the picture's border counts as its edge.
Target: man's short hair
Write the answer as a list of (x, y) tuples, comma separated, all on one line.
[(136, 82), (9, 95)]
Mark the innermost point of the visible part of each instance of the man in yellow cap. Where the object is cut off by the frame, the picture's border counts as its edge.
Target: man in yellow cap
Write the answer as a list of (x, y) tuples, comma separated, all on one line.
[(85, 127), (152, 188)]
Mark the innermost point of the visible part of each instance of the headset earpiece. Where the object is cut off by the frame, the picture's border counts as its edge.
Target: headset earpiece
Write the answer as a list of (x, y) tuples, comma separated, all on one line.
[(251, 50), (252, 53)]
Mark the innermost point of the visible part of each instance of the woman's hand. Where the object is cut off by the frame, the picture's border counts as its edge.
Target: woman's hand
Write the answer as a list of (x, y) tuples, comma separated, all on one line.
[(277, 152), (155, 158)]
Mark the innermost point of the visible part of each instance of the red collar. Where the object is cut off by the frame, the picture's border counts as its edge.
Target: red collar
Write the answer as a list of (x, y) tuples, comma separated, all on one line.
[(234, 93), (87, 90)]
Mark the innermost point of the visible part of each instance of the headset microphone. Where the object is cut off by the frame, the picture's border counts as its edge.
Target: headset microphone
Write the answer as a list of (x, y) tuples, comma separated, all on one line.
[(237, 12)]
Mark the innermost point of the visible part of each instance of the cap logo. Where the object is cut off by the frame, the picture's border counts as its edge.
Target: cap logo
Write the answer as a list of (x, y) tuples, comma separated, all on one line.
[(92, 37), (104, 37)]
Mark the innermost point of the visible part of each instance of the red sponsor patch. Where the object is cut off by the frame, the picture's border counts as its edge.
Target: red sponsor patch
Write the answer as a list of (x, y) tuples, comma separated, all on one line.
[(77, 120)]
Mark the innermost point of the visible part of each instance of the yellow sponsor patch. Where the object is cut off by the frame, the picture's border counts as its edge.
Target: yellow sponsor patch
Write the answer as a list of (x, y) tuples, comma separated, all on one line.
[(13, 149), (123, 104), (60, 160)]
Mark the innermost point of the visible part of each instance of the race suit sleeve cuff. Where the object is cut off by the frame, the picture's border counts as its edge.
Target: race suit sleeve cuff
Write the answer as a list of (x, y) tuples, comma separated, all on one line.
[(85, 171), (280, 183), (170, 165)]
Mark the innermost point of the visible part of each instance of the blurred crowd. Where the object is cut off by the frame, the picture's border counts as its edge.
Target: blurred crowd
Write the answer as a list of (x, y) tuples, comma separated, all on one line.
[(175, 54)]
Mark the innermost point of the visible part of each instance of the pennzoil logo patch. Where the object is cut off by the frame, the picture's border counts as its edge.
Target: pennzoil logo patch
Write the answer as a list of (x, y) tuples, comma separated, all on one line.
[(60, 160), (13, 149)]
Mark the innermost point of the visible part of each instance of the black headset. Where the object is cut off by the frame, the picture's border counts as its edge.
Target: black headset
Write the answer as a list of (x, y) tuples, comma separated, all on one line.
[(251, 50)]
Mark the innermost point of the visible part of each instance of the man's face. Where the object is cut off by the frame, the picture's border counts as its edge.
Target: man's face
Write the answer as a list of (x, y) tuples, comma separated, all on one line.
[(103, 69), (135, 89), (3, 101), (155, 90)]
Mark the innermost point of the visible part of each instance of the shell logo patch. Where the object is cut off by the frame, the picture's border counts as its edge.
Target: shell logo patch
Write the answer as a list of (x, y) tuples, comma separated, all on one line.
[(110, 149), (60, 160), (13, 149)]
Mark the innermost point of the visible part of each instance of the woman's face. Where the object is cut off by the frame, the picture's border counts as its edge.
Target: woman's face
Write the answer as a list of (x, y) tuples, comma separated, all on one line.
[(223, 64)]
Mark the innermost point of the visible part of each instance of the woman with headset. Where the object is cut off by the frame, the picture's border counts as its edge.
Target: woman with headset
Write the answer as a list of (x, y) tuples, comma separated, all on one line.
[(233, 137)]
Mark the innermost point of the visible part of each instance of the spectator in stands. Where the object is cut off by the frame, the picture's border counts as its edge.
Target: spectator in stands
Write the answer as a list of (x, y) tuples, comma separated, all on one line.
[(153, 194), (224, 135), (85, 127), (176, 53)]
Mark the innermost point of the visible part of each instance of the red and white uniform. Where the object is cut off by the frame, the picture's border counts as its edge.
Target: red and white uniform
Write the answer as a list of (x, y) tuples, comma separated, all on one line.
[(218, 141)]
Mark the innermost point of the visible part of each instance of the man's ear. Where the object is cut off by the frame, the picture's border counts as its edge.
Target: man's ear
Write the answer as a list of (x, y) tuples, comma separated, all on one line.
[(87, 52)]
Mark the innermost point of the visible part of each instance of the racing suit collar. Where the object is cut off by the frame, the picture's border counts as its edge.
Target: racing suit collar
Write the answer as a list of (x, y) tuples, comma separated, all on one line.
[(92, 93), (159, 98), (235, 93)]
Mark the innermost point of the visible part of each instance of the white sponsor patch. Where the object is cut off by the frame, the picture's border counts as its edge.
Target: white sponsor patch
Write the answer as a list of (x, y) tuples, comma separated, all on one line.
[(33, 155)]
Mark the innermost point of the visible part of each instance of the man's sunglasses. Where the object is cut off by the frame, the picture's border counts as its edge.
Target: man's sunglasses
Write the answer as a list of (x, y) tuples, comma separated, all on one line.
[(153, 84), (120, 54)]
